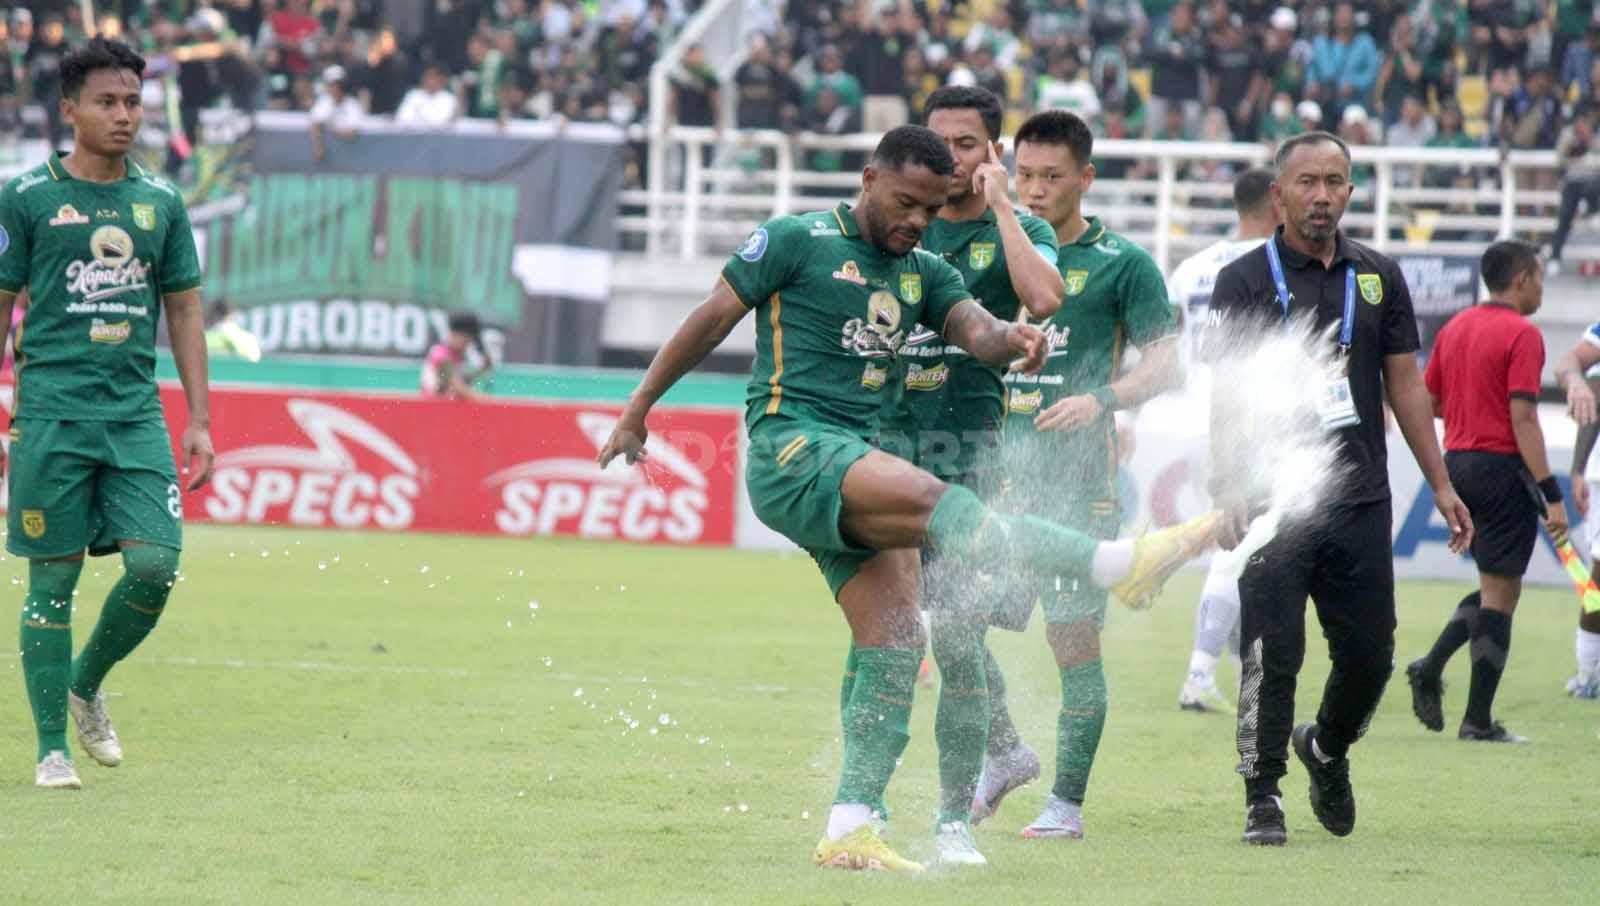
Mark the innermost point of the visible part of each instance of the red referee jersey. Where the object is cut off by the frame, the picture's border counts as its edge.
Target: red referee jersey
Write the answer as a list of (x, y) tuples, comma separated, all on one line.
[(1485, 357)]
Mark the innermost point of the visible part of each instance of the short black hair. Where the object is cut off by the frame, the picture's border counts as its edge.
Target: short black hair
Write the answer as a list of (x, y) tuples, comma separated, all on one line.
[(917, 145), (465, 322), (98, 53), (1504, 260), (1252, 189), (1058, 127), (1306, 138), (965, 97)]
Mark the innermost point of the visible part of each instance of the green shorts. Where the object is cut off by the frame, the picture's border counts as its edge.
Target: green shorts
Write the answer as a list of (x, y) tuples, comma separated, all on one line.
[(78, 484), (795, 475), (1065, 599)]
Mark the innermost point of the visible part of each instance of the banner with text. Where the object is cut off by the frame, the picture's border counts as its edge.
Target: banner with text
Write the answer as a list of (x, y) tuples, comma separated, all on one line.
[(396, 463), (369, 248)]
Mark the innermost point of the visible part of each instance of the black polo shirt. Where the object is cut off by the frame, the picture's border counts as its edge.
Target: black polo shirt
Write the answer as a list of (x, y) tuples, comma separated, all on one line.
[(1245, 291)]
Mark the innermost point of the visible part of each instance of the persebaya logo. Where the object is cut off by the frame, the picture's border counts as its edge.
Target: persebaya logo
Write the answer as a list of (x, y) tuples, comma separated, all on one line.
[(144, 216), (113, 334), (33, 523), (1076, 280), (1371, 288), (113, 271), (911, 288), (883, 312), (981, 255)]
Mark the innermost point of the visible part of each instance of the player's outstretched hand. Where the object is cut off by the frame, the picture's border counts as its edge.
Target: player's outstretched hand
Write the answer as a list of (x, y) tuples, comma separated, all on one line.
[(198, 456), (1580, 401), (1069, 414), (1555, 522), (1580, 495), (626, 440), (992, 180), (1235, 519), (1028, 348), (1456, 516)]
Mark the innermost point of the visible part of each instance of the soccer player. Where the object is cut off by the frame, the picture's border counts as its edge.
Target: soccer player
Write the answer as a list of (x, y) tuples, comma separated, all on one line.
[(1575, 371), (1340, 556), (835, 292), (947, 420), (1483, 377), (1061, 443), (101, 246), (1216, 620)]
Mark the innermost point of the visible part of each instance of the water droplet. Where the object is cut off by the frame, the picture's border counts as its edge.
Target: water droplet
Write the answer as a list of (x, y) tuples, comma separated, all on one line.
[(548, 660), (424, 568), (519, 573), (265, 554), (654, 731), (704, 739), (533, 605), (386, 581), (805, 816), (578, 692), (508, 624), (336, 558), (727, 808), (521, 794), (231, 555), (633, 725), (743, 807), (622, 588), (16, 580), (664, 719), (322, 564), (550, 779)]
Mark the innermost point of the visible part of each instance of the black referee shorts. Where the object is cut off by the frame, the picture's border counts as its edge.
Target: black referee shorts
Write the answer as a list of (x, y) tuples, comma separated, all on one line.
[(1506, 507)]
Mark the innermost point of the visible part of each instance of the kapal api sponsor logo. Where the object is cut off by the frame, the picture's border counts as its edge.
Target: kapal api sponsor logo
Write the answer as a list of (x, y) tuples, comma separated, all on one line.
[(323, 484), (574, 495), (113, 271)]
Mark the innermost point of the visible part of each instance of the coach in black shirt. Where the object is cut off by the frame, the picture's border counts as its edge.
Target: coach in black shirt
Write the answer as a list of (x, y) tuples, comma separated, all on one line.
[(1341, 555)]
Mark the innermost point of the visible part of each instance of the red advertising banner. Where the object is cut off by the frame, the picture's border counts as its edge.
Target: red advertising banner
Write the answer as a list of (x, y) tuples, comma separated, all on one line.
[(401, 463)]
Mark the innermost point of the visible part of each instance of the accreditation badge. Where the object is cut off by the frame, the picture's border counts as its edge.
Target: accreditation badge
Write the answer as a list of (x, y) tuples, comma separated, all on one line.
[(1336, 406)]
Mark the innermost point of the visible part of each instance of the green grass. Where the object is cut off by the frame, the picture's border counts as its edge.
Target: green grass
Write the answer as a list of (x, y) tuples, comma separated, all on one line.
[(371, 733)]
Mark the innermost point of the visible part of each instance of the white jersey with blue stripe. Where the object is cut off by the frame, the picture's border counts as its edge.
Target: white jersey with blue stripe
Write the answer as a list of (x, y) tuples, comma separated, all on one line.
[(1192, 281)]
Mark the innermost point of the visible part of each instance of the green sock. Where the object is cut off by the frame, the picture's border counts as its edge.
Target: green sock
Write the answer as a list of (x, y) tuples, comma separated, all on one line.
[(850, 666), (961, 525), (876, 722), (1078, 727), (131, 611), (961, 728), (46, 643), (1003, 735)]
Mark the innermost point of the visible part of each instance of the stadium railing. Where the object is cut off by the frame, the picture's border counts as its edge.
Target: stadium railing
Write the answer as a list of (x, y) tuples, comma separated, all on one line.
[(692, 208)]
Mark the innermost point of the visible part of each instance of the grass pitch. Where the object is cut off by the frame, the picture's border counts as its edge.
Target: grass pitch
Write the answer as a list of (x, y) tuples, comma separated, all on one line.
[(335, 718)]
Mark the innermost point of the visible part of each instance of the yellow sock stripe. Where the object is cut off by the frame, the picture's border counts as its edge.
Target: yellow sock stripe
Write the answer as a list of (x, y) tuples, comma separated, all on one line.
[(790, 450), (145, 611), (44, 624)]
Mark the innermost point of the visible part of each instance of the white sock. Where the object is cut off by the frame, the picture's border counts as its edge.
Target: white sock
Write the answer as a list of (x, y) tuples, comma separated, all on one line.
[(1317, 751), (846, 817), (1588, 652), (1113, 562), (1203, 668)]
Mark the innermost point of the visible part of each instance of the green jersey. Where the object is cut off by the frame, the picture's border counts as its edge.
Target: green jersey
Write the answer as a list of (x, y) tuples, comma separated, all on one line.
[(96, 259), (1115, 296), (831, 314), (941, 387)]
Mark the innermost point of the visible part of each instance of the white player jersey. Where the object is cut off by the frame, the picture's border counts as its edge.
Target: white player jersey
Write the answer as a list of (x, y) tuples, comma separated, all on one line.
[(1191, 283)]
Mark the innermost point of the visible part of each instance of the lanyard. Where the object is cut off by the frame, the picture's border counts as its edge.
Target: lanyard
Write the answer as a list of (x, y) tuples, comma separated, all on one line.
[(1347, 326)]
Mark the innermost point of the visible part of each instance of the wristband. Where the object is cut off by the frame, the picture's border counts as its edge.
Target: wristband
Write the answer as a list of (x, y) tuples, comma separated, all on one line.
[(1106, 397), (1551, 490)]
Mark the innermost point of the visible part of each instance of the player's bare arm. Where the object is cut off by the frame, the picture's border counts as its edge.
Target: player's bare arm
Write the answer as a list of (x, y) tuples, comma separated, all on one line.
[(186, 325), (1159, 370), (1570, 371), (1413, 411), (993, 341), (701, 332), (1530, 444), (1581, 448), (1036, 280)]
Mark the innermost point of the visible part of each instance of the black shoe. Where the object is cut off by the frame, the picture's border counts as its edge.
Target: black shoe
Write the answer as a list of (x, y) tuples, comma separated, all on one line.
[(1263, 823), (1427, 695), (1495, 732), (1332, 800)]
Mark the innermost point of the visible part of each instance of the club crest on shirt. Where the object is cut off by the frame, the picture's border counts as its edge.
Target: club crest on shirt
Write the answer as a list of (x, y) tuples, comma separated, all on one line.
[(1076, 280), (144, 216), (33, 523), (981, 255), (911, 288), (1371, 288)]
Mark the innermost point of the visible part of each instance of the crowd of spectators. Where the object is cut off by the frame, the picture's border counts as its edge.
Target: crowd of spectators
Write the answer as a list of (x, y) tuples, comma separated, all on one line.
[(1441, 73)]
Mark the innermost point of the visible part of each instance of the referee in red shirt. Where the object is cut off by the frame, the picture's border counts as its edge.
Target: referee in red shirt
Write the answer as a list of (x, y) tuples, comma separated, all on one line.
[(1484, 380)]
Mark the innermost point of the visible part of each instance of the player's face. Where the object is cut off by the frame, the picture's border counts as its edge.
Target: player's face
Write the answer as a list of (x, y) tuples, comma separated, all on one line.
[(107, 112), (899, 204), (1313, 189), (1051, 182), (968, 141)]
